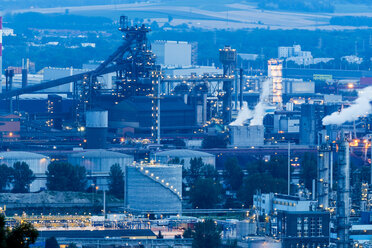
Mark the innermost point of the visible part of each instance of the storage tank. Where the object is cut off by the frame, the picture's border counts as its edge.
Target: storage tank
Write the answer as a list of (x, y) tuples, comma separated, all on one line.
[(96, 128), (186, 155), (98, 163), (154, 188), (38, 164)]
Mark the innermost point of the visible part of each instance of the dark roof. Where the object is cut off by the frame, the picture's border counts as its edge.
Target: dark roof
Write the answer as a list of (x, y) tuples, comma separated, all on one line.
[(96, 234), (143, 103)]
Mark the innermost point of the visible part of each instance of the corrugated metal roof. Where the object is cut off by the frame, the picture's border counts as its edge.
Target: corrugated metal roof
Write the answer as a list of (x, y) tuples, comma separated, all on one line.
[(20, 155), (100, 153), (184, 153)]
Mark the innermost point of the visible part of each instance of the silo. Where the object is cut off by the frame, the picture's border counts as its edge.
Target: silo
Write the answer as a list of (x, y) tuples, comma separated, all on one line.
[(186, 155), (38, 164), (155, 188), (96, 128), (98, 163)]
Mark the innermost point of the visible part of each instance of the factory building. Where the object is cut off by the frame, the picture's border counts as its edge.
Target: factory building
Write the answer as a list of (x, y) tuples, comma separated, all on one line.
[(310, 123), (10, 127), (172, 53), (275, 74), (98, 163), (155, 188), (134, 117), (247, 136), (270, 202), (38, 164), (184, 155), (298, 87), (303, 228), (192, 70)]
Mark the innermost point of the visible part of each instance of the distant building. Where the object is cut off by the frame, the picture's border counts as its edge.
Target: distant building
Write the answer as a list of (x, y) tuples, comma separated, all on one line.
[(8, 32), (165, 157), (303, 228), (189, 70), (172, 53), (10, 127), (270, 202)]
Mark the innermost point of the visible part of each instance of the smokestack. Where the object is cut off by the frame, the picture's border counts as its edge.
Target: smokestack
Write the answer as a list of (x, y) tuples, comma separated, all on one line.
[(343, 195), (241, 88), (24, 73), (323, 170)]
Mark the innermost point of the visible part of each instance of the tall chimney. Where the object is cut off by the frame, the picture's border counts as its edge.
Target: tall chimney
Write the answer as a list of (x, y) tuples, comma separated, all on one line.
[(323, 171), (343, 195)]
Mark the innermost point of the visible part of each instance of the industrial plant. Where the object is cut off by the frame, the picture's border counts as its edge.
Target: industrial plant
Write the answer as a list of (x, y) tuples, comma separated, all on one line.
[(144, 148)]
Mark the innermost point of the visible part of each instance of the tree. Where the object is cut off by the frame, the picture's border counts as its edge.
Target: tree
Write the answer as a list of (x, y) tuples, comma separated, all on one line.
[(21, 236), (23, 177), (72, 245), (6, 177), (51, 243), (214, 142), (308, 170), (207, 235), (61, 174), (233, 173), (116, 181), (205, 193), (263, 181), (188, 233)]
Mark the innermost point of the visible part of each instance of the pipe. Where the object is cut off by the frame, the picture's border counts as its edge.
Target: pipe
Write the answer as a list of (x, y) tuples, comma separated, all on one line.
[(241, 88)]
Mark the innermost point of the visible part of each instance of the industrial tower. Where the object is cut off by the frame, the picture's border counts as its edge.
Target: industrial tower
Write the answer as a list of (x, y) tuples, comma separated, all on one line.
[(228, 60), (343, 195)]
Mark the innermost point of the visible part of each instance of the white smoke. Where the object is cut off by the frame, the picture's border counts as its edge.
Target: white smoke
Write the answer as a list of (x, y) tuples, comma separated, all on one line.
[(360, 107), (244, 114), (258, 113)]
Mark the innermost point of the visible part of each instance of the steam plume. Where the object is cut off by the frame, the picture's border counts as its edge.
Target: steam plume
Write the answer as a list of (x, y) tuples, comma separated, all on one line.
[(244, 114), (361, 106), (261, 107), (259, 111)]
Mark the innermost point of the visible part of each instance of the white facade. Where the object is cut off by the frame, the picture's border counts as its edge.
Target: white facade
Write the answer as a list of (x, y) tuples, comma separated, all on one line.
[(247, 136), (275, 73), (172, 53), (298, 86), (38, 164), (268, 203)]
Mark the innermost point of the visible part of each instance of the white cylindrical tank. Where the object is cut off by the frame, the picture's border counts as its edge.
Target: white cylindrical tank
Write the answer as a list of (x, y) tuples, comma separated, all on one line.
[(186, 155), (38, 164), (154, 188), (98, 163)]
